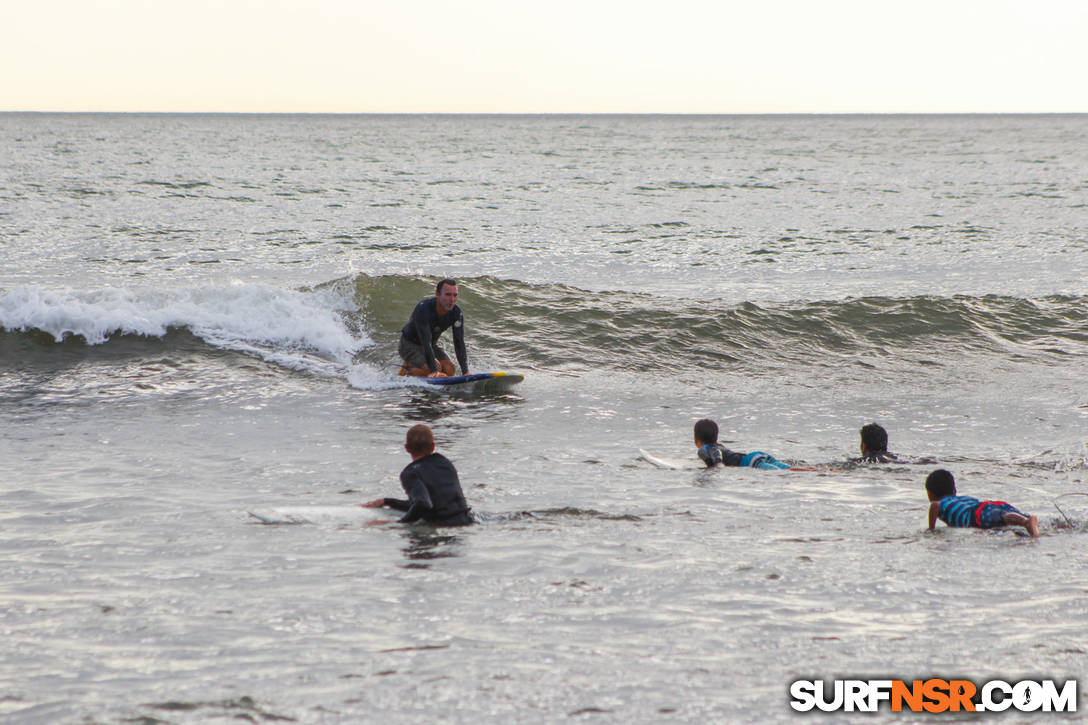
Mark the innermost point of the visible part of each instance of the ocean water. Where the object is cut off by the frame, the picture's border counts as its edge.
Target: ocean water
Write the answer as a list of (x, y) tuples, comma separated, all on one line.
[(199, 318)]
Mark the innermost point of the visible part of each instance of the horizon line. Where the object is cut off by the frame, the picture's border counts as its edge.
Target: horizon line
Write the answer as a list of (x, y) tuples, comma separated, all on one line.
[(550, 113)]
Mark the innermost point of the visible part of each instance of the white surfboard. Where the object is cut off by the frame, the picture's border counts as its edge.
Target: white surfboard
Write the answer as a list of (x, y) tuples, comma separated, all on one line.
[(671, 464)]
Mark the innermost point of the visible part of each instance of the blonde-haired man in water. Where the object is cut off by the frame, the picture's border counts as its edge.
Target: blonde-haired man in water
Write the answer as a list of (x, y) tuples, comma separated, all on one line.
[(419, 339), (431, 482)]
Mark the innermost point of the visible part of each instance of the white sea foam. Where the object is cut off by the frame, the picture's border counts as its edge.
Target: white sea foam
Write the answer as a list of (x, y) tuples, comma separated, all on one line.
[(1074, 461), (285, 327), (365, 377)]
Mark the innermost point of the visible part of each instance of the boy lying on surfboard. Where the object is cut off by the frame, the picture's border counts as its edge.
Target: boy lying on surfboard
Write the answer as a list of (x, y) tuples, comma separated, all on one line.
[(967, 511), (715, 455)]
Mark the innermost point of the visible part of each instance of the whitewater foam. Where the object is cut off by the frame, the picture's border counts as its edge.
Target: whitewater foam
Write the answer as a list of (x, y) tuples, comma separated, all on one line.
[(284, 327), (365, 377)]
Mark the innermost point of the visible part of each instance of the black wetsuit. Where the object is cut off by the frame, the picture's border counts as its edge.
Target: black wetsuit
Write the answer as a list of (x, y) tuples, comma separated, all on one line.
[(434, 493), (714, 453), (425, 326)]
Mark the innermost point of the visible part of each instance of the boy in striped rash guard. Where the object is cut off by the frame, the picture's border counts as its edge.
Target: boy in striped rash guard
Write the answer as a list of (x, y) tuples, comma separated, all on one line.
[(964, 511)]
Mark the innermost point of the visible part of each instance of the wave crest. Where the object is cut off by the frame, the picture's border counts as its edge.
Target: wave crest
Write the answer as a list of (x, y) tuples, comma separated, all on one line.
[(349, 327), (557, 325), (278, 325)]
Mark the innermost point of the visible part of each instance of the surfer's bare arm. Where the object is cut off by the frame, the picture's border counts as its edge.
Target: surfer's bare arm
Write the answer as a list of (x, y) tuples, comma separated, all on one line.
[(934, 511)]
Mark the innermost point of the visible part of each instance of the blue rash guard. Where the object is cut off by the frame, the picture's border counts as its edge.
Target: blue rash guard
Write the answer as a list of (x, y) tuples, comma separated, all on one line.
[(425, 327), (714, 453), (434, 493), (964, 511)]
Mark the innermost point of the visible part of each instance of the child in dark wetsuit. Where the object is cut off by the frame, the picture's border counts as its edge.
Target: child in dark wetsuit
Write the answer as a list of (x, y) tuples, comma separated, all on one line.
[(714, 454), (431, 482), (965, 511)]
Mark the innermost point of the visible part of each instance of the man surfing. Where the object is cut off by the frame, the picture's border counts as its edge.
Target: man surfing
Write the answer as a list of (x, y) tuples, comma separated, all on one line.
[(419, 339)]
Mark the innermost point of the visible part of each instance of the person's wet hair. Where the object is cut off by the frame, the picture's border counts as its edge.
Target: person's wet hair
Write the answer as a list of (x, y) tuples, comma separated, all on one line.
[(875, 438), (443, 283), (706, 430), (420, 439), (939, 484)]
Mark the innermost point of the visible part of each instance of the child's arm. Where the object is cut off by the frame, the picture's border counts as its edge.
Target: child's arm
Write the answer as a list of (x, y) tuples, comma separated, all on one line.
[(712, 457), (934, 510)]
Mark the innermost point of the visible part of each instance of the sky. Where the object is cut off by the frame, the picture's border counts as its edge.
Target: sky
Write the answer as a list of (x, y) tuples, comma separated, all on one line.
[(551, 56)]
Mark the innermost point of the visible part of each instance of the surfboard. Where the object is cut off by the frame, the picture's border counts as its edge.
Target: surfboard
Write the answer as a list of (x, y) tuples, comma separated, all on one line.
[(489, 382), (672, 465), (348, 514)]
